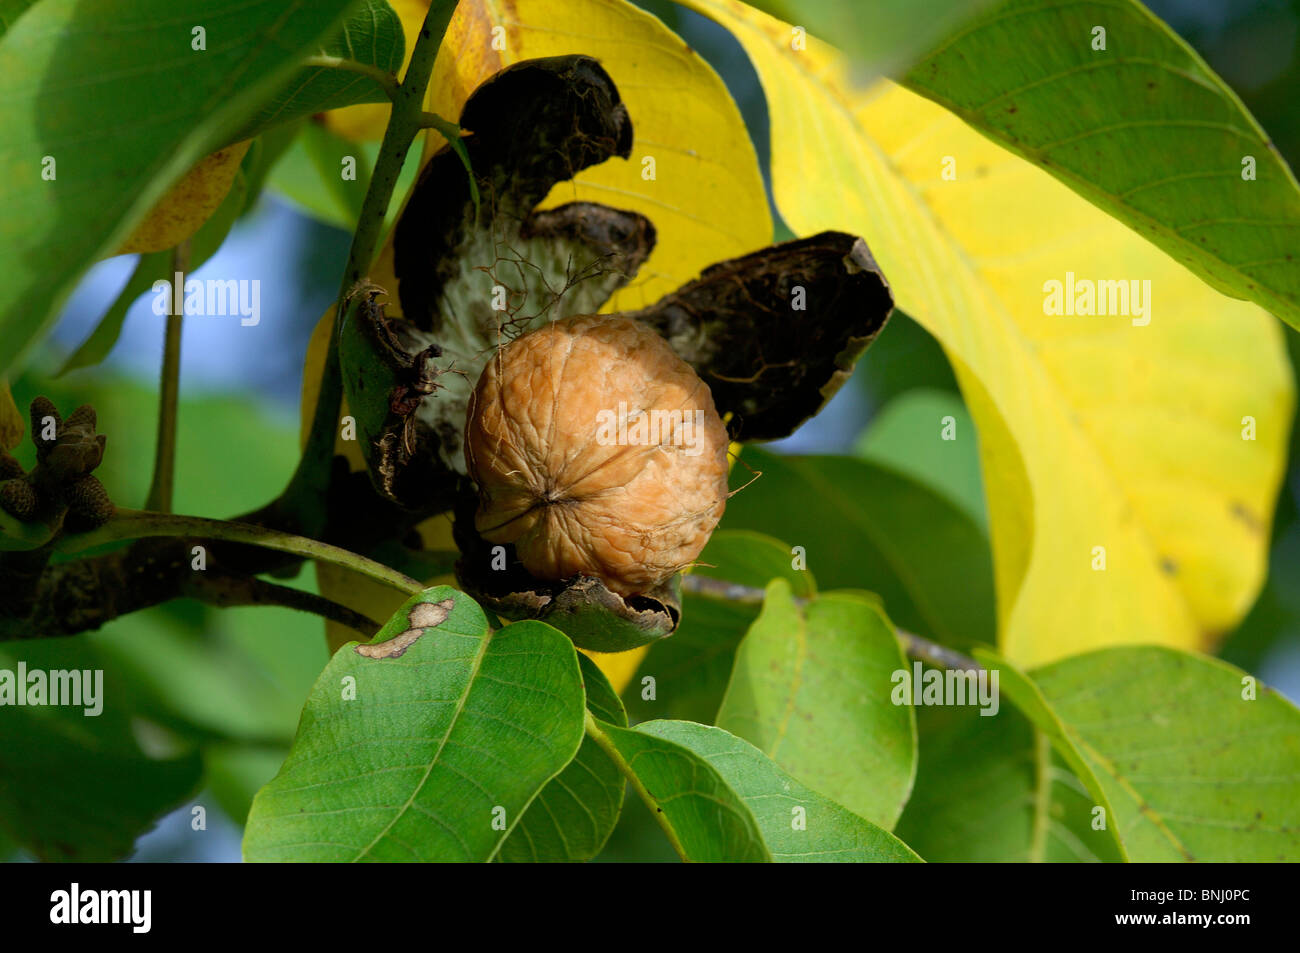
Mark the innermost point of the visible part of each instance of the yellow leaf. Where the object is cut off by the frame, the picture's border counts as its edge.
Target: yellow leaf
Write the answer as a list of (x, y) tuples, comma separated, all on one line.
[(1094, 431), (706, 198), (11, 419), (620, 666), (189, 203)]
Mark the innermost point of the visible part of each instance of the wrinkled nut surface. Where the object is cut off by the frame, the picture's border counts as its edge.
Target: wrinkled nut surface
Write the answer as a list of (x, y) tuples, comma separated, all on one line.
[(596, 450)]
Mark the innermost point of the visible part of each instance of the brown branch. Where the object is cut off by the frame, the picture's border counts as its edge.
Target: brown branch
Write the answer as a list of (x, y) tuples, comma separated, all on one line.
[(914, 646), (84, 594), (221, 590)]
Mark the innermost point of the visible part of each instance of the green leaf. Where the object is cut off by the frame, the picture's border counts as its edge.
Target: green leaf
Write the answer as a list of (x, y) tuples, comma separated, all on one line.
[(691, 667), (234, 773), (884, 39), (709, 821), (576, 812), (238, 673), (903, 358), (909, 436), (637, 838), (11, 10), (798, 825), (263, 155), (65, 95), (1192, 769), (79, 799), (1273, 624), (864, 526), (452, 732), (371, 35), (77, 786), (812, 690), (148, 269), (988, 791), (1026, 696), (1143, 129), (309, 176)]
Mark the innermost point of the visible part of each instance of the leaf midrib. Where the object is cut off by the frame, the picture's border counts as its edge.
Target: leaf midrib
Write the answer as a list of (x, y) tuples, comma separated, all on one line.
[(451, 726), (795, 679)]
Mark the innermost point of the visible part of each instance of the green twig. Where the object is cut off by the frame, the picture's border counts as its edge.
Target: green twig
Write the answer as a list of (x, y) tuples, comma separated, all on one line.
[(607, 745), (164, 467), (138, 524), (224, 591), (303, 500)]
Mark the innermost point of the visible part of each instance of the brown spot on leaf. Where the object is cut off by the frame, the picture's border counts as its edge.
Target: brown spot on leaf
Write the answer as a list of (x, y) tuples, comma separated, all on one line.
[(426, 615), (1241, 512), (423, 616)]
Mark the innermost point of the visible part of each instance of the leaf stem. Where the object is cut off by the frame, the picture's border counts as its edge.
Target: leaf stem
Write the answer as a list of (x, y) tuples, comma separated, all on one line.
[(162, 486), (138, 524), (606, 744), (386, 80), (915, 646), (451, 132)]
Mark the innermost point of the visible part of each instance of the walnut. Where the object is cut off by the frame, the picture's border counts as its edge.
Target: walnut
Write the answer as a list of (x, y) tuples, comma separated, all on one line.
[(596, 450)]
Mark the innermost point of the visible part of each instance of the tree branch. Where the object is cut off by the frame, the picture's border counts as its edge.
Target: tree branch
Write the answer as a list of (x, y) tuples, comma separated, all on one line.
[(77, 595), (914, 646), (137, 524), (222, 590)]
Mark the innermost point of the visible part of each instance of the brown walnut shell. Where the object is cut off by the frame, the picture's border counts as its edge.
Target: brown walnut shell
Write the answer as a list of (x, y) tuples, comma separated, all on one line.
[(597, 451)]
